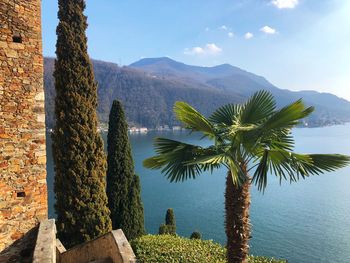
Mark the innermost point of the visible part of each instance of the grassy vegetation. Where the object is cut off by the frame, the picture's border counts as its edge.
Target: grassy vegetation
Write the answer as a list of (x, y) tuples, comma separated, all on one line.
[(175, 249)]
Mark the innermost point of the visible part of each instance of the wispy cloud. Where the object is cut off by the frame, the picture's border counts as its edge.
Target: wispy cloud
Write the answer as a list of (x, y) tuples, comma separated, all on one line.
[(223, 27), (230, 35), (248, 35), (208, 49), (207, 29), (281, 4), (268, 30)]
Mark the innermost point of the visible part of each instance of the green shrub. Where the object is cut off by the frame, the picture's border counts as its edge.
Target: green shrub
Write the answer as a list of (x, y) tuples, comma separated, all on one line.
[(163, 229), (175, 249), (170, 224), (167, 230), (196, 235)]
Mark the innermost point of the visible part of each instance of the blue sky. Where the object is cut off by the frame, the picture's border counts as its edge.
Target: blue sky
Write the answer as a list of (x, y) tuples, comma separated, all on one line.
[(295, 44)]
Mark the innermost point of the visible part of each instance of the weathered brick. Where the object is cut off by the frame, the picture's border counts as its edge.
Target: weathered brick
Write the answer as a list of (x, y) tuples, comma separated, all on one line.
[(23, 195)]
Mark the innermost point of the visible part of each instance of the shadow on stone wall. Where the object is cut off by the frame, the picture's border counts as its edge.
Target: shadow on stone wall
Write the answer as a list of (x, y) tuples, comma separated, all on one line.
[(21, 250)]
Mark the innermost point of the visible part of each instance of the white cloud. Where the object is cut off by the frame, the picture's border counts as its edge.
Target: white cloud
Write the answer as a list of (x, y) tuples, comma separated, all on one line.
[(212, 48), (207, 29), (208, 49), (248, 35), (194, 51), (268, 30), (223, 27), (230, 35), (285, 3)]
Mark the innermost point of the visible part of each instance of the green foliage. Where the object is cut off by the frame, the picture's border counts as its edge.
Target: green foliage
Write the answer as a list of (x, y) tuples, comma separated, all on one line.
[(196, 235), (170, 224), (163, 229), (170, 217), (123, 186), (251, 133), (167, 230), (135, 212), (175, 249), (80, 161)]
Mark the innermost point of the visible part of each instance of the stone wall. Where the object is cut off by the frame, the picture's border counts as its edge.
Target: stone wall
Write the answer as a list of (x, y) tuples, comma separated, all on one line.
[(112, 247), (23, 193)]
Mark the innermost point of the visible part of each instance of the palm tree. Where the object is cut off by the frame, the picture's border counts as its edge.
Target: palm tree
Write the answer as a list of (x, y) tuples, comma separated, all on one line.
[(251, 138)]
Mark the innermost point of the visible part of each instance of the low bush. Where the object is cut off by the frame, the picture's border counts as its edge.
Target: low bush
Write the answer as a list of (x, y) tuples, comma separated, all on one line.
[(196, 235), (167, 230), (175, 249)]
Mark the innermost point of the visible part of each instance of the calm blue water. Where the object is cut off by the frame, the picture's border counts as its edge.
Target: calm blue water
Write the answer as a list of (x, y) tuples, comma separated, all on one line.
[(304, 222)]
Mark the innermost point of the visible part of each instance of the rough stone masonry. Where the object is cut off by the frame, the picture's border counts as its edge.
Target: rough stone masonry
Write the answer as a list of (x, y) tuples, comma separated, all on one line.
[(23, 192)]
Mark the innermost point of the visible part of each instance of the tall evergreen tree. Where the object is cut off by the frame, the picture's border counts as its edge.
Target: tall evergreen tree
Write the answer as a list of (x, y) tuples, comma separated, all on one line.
[(134, 213), (169, 228), (123, 186), (170, 217), (80, 161)]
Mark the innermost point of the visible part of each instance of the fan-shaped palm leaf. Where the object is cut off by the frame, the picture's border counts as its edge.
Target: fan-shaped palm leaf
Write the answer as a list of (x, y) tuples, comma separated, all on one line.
[(287, 117), (192, 119), (259, 107), (181, 161), (288, 165)]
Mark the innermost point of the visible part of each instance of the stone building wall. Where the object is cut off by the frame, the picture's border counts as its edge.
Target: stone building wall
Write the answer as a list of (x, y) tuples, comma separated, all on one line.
[(23, 192)]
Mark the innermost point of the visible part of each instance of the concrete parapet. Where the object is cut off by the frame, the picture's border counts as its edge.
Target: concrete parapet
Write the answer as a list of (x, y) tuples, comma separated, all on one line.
[(45, 248)]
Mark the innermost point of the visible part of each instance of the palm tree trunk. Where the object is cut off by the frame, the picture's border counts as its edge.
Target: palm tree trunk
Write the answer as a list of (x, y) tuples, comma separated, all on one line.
[(237, 202)]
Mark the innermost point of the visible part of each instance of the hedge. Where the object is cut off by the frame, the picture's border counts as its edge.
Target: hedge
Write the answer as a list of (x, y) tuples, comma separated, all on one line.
[(175, 249)]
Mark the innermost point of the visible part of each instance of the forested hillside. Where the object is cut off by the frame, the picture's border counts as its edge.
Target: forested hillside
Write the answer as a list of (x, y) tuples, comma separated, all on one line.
[(148, 89), (148, 101)]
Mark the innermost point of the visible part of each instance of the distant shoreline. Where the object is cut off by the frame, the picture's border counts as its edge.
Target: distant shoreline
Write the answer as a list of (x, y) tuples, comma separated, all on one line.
[(145, 130)]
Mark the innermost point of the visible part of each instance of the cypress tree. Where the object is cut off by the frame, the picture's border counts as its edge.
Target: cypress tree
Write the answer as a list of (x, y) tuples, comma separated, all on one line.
[(80, 161), (170, 217), (170, 224), (136, 224), (123, 186)]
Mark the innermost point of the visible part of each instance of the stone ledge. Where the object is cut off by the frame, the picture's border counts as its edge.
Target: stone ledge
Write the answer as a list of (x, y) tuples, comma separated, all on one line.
[(45, 248)]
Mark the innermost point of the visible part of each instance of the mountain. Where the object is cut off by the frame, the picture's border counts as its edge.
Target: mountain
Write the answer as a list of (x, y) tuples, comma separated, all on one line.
[(148, 100), (168, 68), (148, 89), (330, 109)]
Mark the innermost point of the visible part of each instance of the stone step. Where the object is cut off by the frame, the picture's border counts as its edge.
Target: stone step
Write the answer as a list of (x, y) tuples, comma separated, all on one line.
[(103, 260)]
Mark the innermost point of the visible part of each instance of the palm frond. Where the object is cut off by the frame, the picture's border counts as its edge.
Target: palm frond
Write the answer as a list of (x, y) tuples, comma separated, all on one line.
[(287, 117), (192, 119), (254, 133), (320, 163), (260, 175), (238, 175), (225, 115), (259, 107), (288, 165), (181, 161)]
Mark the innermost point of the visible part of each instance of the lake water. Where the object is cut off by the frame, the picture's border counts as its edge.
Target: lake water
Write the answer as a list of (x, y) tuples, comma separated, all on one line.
[(304, 222)]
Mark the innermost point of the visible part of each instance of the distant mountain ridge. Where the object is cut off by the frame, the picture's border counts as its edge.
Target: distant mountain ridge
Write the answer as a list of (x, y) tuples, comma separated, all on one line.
[(149, 87)]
